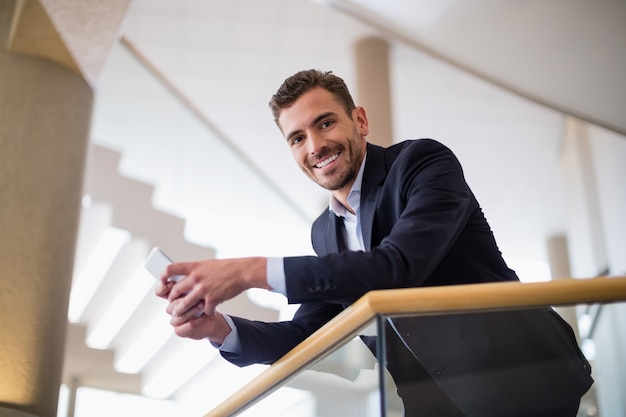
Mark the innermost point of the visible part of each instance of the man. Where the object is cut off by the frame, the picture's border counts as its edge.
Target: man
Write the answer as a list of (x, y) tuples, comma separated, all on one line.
[(398, 217)]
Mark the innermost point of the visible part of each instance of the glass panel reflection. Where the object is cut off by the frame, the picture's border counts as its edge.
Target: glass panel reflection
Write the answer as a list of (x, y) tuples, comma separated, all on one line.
[(342, 384), (509, 363)]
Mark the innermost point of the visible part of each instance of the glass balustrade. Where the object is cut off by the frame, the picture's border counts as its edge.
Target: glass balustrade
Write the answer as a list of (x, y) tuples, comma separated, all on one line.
[(334, 373)]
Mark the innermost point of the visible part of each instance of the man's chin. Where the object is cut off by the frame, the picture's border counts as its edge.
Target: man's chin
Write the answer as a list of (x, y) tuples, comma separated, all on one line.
[(322, 182), (330, 185)]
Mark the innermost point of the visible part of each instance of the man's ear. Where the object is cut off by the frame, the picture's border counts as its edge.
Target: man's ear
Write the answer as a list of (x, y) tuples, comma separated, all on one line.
[(360, 119)]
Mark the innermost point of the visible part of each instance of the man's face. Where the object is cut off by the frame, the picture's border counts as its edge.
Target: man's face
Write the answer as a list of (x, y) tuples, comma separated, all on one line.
[(326, 143)]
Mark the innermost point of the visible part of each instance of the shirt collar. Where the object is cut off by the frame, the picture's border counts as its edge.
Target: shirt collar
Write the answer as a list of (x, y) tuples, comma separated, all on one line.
[(354, 197)]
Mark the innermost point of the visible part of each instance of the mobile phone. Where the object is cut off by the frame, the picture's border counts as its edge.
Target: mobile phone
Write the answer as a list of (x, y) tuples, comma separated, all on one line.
[(156, 263)]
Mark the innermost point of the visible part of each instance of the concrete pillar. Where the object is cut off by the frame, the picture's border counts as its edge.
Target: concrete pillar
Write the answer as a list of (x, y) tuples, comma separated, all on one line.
[(585, 247), (44, 128), (558, 258), (51, 52), (373, 88), (585, 229)]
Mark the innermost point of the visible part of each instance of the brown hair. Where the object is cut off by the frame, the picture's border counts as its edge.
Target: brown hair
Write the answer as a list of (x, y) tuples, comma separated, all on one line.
[(303, 81)]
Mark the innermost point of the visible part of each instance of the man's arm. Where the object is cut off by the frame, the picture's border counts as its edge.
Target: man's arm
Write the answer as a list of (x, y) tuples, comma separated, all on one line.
[(191, 323), (424, 205), (416, 214), (211, 282), (256, 342), (223, 337), (265, 343)]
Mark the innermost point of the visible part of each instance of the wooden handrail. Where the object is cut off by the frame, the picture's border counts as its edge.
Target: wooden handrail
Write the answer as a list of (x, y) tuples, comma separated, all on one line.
[(420, 301)]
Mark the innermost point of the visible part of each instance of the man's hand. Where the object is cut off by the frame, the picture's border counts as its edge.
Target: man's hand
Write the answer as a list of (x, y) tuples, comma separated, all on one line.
[(209, 283), (194, 326), (206, 285)]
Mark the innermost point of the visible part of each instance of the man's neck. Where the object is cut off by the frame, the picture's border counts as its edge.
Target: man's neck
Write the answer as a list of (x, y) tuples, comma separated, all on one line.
[(342, 196)]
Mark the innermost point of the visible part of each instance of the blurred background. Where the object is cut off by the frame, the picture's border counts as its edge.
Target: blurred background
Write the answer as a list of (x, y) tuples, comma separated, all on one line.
[(183, 154)]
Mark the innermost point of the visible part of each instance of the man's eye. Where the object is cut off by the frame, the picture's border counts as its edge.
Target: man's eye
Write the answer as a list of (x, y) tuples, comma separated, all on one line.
[(327, 124), (296, 140)]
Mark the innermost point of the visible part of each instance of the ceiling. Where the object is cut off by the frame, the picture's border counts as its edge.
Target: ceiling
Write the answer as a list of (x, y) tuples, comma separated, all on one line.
[(183, 101)]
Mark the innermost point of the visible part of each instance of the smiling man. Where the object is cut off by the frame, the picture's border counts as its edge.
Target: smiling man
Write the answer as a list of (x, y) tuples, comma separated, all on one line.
[(398, 217), (327, 142)]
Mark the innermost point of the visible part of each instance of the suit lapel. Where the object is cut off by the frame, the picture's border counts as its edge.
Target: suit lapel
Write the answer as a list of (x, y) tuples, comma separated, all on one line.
[(373, 176), (332, 239)]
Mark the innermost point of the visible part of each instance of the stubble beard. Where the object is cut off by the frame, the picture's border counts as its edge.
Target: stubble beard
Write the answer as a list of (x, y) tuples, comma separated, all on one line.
[(336, 179)]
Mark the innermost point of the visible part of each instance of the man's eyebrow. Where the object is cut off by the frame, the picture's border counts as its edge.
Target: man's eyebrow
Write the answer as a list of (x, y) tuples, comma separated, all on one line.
[(292, 134), (313, 123), (322, 117)]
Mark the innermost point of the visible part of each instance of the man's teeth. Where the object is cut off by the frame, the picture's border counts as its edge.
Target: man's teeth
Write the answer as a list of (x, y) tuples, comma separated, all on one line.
[(327, 161)]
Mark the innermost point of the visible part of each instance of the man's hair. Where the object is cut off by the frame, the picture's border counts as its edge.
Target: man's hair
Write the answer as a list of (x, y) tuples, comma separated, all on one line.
[(303, 81)]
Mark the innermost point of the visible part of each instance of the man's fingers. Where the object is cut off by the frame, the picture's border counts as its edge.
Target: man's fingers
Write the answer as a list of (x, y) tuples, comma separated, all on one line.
[(189, 315), (177, 269), (163, 290), (185, 308)]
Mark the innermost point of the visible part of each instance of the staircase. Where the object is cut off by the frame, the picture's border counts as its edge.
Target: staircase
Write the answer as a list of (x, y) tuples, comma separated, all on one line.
[(119, 337)]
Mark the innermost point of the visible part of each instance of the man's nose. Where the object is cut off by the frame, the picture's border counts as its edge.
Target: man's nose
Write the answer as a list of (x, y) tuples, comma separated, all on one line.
[(316, 143)]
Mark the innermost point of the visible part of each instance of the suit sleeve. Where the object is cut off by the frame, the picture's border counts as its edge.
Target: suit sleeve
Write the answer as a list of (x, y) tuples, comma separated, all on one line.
[(265, 343), (423, 206)]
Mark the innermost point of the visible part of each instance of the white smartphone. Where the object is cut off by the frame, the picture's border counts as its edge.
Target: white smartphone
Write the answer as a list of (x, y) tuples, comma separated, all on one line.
[(156, 263)]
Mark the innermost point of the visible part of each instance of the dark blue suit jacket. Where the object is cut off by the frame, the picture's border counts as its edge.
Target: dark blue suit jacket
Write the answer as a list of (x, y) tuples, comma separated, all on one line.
[(422, 226)]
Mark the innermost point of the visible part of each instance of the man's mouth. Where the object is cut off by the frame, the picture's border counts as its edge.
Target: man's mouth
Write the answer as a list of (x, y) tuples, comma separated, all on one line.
[(326, 161)]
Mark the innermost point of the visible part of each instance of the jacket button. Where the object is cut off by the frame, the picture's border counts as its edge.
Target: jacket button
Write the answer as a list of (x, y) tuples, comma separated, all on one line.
[(441, 370)]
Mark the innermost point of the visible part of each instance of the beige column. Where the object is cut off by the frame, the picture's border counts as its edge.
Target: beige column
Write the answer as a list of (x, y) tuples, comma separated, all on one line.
[(44, 127), (373, 88), (45, 111), (558, 257), (585, 230)]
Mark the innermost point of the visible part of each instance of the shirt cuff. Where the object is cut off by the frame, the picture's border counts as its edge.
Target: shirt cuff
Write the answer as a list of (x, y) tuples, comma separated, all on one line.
[(231, 344), (276, 275)]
